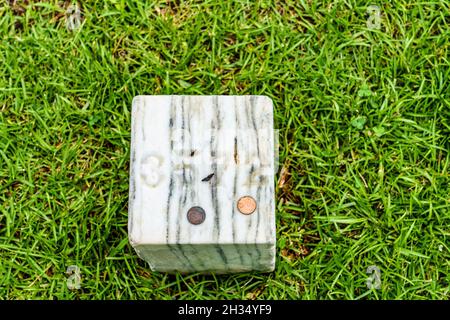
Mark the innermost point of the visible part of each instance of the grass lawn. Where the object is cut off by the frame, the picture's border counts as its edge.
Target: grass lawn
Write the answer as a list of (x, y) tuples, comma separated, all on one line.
[(363, 117)]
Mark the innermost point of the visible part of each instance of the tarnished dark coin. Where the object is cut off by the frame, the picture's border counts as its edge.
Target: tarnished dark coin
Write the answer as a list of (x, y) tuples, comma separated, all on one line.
[(196, 215)]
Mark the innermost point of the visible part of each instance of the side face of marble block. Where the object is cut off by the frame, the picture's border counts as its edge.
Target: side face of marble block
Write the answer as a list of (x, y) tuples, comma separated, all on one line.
[(205, 151)]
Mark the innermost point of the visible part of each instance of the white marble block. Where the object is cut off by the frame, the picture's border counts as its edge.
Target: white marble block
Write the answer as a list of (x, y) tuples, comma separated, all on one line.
[(202, 183)]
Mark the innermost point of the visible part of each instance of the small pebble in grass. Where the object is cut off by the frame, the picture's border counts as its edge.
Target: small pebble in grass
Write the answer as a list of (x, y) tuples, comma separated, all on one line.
[(359, 122), (73, 17)]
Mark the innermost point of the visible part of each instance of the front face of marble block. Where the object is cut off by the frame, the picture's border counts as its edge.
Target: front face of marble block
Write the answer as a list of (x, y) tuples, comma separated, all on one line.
[(203, 152)]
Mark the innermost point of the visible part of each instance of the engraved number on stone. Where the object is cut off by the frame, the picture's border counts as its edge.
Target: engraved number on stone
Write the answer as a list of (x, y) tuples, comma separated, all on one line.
[(151, 170)]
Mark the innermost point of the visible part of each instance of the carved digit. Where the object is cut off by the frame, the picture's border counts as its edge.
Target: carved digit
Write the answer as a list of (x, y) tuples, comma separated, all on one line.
[(150, 170)]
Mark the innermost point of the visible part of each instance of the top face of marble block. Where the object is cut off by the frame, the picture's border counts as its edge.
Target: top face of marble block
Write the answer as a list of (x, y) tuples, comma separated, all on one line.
[(206, 151)]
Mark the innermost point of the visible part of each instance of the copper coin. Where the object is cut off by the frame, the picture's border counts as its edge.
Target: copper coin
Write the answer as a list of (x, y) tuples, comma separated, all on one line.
[(196, 215), (246, 205)]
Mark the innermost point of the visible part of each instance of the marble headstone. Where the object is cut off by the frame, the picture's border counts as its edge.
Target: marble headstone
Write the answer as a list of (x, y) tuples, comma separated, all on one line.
[(202, 183)]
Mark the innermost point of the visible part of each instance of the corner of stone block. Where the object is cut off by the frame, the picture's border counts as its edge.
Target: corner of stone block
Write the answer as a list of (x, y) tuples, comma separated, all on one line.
[(272, 263), (137, 100), (133, 239), (265, 104), (273, 249), (137, 247), (266, 99)]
